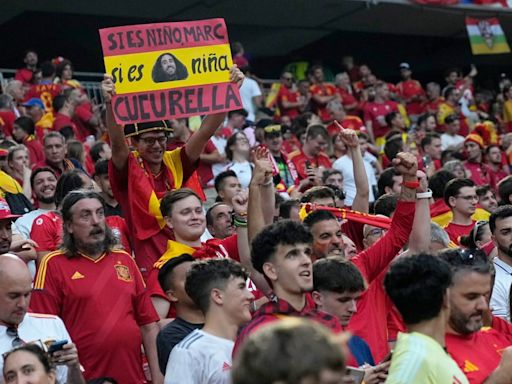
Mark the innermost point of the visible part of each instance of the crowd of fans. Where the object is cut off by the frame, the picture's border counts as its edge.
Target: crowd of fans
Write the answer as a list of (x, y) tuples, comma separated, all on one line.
[(364, 226)]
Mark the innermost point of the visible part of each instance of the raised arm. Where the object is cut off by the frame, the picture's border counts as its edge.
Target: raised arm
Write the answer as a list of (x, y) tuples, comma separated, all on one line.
[(350, 139), (372, 261), (120, 150), (210, 123), (419, 239)]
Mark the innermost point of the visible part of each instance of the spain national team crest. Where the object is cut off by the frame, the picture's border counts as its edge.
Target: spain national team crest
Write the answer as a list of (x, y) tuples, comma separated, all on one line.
[(123, 273)]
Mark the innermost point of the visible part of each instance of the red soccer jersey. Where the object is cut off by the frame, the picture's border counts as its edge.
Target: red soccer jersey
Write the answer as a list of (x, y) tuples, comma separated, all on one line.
[(376, 113), (480, 173), (409, 89), (147, 249), (349, 122), (47, 231), (103, 303), (323, 89), (479, 353), (62, 121), (45, 92), (348, 100), (83, 113), (24, 75), (285, 94), (370, 320), (299, 159), (35, 149), (8, 118), (432, 106), (455, 231)]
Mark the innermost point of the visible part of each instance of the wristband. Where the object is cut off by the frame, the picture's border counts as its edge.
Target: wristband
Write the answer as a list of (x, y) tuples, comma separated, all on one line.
[(411, 184), (268, 183), (424, 195), (240, 223)]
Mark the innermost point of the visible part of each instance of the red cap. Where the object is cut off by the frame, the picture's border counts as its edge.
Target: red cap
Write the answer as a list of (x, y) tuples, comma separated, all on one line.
[(3, 152), (5, 211)]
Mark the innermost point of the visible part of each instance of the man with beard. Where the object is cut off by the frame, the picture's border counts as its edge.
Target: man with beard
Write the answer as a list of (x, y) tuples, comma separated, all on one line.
[(500, 224), (108, 325), (43, 182), (481, 352)]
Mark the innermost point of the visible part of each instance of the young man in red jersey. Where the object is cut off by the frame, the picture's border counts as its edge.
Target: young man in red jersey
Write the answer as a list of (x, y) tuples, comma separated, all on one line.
[(483, 353), (460, 195)]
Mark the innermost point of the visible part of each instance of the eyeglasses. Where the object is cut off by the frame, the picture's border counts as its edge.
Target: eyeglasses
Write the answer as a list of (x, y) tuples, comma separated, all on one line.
[(13, 332), (468, 198), (162, 140), (479, 224)]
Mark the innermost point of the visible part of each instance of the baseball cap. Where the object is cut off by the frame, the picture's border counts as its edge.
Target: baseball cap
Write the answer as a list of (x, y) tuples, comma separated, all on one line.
[(34, 102), (404, 66), (5, 211), (170, 265)]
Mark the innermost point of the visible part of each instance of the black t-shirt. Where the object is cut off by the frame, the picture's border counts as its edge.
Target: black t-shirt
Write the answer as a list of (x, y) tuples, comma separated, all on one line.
[(171, 335), (113, 211)]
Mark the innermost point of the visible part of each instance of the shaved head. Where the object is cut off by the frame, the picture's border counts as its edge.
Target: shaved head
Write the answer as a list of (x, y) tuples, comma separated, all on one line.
[(15, 289)]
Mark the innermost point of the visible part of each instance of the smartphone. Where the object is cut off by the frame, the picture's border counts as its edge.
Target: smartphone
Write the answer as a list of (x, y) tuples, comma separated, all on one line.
[(427, 160), (57, 346), (356, 373)]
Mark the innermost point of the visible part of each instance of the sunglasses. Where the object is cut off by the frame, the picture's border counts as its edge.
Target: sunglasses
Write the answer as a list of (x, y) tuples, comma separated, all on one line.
[(272, 128), (471, 256), (13, 332)]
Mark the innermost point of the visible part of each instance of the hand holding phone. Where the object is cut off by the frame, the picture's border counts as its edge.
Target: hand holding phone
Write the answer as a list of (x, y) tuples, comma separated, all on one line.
[(57, 346)]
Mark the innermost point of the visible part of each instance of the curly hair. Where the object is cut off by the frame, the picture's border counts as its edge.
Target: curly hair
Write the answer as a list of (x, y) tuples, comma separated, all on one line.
[(285, 232)]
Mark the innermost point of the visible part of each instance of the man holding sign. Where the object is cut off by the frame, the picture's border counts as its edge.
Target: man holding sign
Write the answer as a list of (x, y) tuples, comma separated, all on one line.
[(140, 178)]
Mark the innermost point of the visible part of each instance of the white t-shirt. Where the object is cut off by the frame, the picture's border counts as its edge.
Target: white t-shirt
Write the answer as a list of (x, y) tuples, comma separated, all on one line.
[(35, 327), (345, 165), (200, 358), (243, 172), (220, 143), (248, 90), (448, 141), (500, 293)]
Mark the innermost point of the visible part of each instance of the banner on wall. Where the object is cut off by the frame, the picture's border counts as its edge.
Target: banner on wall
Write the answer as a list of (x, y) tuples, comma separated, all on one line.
[(486, 36), (169, 70)]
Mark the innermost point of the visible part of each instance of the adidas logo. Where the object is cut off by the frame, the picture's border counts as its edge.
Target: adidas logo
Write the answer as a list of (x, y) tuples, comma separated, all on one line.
[(77, 275), (226, 367), (470, 367)]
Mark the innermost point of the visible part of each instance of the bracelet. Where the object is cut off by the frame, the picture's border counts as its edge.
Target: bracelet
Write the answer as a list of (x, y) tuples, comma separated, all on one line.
[(424, 195), (240, 223), (241, 215), (268, 183), (411, 184)]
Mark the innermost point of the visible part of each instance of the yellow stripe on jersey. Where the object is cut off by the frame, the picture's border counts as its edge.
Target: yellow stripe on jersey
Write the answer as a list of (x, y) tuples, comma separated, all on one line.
[(41, 271)]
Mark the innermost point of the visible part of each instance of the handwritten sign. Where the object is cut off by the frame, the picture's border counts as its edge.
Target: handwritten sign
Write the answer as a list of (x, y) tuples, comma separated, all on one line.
[(169, 70)]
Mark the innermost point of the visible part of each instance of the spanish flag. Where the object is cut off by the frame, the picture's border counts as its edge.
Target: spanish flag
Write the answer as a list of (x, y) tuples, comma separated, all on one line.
[(486, 36)]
